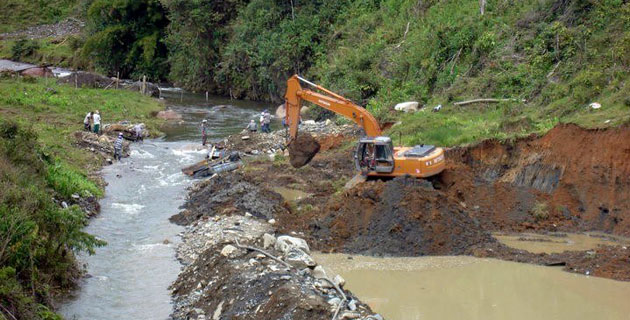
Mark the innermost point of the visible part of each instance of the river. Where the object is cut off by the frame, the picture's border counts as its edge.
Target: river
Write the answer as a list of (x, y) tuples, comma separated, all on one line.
[(129, 278)]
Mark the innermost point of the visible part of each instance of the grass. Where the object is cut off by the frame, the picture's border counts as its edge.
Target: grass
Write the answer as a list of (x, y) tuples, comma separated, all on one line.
[(56, 111), (18, 14), (59, 52), (458, 125)]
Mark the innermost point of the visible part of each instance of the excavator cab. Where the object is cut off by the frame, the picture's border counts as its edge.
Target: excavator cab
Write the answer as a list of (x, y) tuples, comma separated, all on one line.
[(375, 154)]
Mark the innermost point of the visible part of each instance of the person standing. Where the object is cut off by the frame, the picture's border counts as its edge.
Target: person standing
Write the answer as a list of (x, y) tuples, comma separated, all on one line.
[(96, 119), (204, 132), (137, 130), (87, 121), (266, 121), (118, 144)]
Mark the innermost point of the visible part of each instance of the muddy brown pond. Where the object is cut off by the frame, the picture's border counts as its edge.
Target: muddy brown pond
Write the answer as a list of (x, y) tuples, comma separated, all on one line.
[(462, 287), (555, 243)]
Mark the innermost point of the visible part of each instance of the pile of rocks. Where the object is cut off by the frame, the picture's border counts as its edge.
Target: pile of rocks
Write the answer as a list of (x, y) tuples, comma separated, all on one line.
[(236, 268), (261, 143), (63, 28), (102, 145)]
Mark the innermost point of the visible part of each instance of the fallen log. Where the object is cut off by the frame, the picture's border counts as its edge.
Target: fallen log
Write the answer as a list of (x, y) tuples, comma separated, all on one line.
[(486, 100)]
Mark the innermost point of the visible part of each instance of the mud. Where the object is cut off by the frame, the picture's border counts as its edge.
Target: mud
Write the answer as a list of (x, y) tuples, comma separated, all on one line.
[(302, 150), (404, 216), (569, 180), (226, 194)]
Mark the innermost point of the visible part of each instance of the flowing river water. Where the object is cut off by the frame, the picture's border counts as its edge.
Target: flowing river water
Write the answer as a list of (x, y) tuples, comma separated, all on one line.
[(129, 278)]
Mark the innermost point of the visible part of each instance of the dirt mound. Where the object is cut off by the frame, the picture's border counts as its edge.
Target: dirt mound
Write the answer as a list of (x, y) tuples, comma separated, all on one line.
[(227, 194), (404, 216), (302, 150)]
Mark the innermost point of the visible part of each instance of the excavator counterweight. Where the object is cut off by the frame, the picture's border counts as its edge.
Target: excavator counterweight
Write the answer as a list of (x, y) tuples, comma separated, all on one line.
[(375, 154)]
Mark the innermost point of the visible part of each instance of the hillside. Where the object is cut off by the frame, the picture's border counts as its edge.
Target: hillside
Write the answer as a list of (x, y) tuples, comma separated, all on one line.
[(556, 55)]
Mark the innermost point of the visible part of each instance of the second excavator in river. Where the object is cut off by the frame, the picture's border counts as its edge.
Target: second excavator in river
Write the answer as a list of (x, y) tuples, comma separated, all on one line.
[(375, 154)]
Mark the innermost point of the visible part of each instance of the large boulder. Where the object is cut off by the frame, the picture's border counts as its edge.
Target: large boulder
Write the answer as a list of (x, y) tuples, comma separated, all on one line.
[(38, 72), (302, 150), (410, 106), (281, 111), (169, 115), (284, 244)]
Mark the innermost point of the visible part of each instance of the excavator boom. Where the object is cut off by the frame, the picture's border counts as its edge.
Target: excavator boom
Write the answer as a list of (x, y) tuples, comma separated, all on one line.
[(326, 99)]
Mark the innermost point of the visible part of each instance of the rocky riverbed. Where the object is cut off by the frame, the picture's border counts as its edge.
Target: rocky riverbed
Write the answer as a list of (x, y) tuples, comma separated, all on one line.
[(236, 268)]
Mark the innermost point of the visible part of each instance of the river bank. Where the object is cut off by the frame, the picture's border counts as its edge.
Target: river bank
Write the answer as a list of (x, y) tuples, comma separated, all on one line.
[(529, 185)]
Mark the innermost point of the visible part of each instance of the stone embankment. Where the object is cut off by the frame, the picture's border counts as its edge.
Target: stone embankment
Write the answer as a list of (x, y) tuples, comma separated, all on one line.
[(236, 268)]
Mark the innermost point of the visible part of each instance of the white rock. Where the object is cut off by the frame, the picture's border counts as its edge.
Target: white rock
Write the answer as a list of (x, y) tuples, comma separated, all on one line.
[(319, 273), (217, 312), (268, 240), (410, 106), (352, 305), (309, 122), (228, 250), (271, 221), (285, 243), (334, 301), (299, 259), (350, 315), (339, 280), (245, 138), (328, 122), (595, 105)]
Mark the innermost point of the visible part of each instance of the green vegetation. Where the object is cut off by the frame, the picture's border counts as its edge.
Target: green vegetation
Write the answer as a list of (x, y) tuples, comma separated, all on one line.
[(540, 211), (37, 236), (196, 36), (18, 14), (557, 55), (56, 111), (38, 163), (63, 52), (126, 36)]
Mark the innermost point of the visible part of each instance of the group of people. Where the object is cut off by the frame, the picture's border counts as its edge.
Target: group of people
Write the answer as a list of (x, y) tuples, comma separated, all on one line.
[(265, 123), (92, 122), (265, 126)]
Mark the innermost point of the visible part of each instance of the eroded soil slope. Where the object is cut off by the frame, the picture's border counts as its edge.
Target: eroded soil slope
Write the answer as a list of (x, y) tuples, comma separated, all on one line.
[(570, 179)]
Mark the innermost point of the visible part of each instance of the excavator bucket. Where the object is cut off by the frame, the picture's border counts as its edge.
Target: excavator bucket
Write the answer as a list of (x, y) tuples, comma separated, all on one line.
[(302, 149)]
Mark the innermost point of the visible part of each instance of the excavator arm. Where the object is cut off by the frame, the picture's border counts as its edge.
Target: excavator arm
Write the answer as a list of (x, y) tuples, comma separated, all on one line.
[(326, 99)]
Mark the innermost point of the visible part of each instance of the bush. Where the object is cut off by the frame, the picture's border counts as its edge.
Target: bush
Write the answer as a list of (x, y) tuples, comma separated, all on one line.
[(540, 211), (24, 48), (38, 236)]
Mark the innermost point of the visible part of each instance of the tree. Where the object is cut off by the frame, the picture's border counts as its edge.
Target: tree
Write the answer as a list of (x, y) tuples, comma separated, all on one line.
[(127, 37)]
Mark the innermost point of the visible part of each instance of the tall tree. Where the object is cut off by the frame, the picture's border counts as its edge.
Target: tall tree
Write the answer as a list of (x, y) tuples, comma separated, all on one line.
[(127, 37)]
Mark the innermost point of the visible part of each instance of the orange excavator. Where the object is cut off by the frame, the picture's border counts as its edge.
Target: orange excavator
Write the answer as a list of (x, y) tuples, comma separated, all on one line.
[(375, 154)]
